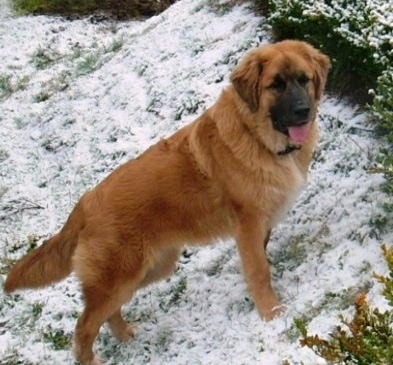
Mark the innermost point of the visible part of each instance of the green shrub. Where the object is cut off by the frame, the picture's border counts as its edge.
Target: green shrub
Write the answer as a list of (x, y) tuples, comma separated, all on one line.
[(55, 6), (116, 8), (383, 101), (367, 338), (386, 167)]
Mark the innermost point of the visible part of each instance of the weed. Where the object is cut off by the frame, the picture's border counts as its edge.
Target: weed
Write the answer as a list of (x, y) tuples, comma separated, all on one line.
[(216, 267), (379, 224), (57, 338), (115, 46), (51, 87), (189, 106), (37, 310), (156, 102), (42, 58), (342, 299), (164, 339), (32, 241), (9, 301), (41, 97), (3, 156), (88, 64), (291, 255), (10, 84), (297, 328), (222, 8), (6, 87), (178, 291), (240, 306), (11, 356), (176, 294), (6, 264)]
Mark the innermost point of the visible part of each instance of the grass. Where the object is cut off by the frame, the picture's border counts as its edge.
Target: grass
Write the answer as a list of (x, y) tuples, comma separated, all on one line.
[(175, 295), (6, 87), (10, 83), (122, 9), (12, 357), (88, 63), (43, 58), (54, 6)]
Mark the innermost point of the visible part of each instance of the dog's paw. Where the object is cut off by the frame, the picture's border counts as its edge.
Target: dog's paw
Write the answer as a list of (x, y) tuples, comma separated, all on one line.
[(96, 361), (273, 311), (124, 333), (277, 311)]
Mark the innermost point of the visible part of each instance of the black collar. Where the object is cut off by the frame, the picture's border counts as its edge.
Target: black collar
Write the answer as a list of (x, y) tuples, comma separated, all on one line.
[(288, 149)]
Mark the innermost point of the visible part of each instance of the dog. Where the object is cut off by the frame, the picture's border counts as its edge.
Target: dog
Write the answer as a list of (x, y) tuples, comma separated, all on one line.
[(233, 172)]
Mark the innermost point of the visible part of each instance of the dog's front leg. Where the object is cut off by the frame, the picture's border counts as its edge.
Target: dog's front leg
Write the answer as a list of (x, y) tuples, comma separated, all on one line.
[(252, 235)]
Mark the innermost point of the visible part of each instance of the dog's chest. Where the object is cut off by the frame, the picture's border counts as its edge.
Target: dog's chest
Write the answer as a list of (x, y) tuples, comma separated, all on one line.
[(284, 192)]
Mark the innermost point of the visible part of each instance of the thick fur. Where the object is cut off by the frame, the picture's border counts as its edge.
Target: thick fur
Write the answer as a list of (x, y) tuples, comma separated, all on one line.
[(220, 176)]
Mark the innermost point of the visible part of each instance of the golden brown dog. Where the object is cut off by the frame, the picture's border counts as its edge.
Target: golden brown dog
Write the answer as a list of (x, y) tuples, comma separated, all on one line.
[(232, 172)]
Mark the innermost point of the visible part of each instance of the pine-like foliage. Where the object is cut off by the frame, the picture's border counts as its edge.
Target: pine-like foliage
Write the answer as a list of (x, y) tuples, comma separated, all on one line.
[(366, 339)]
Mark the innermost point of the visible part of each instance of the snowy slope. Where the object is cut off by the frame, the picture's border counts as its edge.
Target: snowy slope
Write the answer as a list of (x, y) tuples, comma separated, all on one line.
[(79, 98)]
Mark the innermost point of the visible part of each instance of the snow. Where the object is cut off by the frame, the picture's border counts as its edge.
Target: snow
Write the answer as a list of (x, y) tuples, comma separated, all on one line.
[(85, 96)]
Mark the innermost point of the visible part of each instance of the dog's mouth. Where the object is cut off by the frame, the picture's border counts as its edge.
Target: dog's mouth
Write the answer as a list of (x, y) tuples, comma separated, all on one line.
[(298, 132)]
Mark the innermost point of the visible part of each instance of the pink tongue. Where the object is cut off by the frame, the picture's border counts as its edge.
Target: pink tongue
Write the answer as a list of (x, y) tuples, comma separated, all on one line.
[(299, 133)]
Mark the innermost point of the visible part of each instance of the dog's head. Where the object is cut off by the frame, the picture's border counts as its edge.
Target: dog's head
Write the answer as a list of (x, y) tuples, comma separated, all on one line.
[(286, 81)]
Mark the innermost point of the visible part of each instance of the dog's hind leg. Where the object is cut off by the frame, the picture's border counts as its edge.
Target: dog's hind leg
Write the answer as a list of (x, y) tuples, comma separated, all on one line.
[(122, 330), (110, 274), (102, 305)]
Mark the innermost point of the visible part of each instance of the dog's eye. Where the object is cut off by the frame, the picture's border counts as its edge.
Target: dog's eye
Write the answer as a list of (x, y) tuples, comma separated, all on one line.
[(303, 80), (278, 85)]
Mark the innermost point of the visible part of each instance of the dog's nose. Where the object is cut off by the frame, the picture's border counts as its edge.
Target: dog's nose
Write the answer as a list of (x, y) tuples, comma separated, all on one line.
[(302, 112)]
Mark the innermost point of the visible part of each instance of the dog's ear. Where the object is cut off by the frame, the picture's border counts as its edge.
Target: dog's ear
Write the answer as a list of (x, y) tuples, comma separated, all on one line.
[(322, 65), (245, 78)]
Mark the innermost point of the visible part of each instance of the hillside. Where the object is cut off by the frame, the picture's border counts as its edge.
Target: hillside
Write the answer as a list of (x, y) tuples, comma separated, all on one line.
[(78, 98)]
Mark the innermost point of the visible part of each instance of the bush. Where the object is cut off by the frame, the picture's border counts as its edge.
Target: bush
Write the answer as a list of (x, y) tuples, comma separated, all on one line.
[(121, 9), (366, 339), (383, 101)]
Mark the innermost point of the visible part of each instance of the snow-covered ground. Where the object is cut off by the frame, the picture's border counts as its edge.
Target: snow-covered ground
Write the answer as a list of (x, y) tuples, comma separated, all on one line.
[(77, 98)]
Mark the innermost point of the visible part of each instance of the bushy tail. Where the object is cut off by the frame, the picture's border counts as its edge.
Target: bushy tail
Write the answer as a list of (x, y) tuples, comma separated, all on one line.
[(49, 263)]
